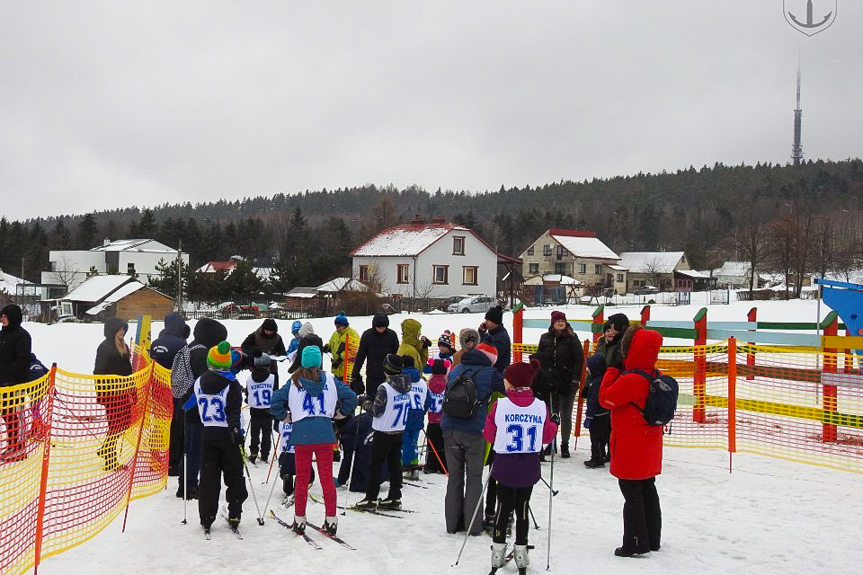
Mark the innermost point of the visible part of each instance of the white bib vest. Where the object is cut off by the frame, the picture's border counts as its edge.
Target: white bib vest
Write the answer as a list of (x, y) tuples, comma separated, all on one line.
[(260, 393), (285, 437), (519, 429), (436, 402), (395, 415), (418, 393), (303, 405), (211, 407)]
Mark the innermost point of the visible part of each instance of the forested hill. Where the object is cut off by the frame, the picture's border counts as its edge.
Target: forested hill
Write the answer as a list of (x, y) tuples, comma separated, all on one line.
[(703, 211)]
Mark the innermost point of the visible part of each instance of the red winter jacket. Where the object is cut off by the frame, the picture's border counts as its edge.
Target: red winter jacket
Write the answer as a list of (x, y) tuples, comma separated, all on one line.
[(636, 448)]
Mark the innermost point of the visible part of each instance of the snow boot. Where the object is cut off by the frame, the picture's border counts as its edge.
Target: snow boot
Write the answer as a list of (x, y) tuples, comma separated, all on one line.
[(389, 503), (299, 525), (488, 523), (253, 457), (564, 450), (331, 525), (498, 556), (521, 558), (367, 505), (594, 463), (624, 552)]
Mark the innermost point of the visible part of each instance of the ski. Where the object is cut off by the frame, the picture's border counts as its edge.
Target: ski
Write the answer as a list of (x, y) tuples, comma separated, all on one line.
[(373, 512), (328, 536), (235, 529), (287, 526), (207, 534), (414, 484)]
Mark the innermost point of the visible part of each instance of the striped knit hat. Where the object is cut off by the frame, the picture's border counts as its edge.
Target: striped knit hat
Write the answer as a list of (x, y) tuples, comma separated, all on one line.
[(487, 347), (219, 357)]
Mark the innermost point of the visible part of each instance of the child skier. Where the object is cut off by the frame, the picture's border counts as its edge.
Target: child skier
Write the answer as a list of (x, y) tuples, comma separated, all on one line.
[(434, 436), (259, 392), (287, 463), (309, 403), (517, 426), (219, 398), (419, 404), (389, 408), (598, 420)]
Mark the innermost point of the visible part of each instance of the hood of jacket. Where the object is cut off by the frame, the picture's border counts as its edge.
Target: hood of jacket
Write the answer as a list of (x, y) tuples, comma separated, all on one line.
[(596, 365), (213, 382), (307, 329), (312, 387), (466, 334), (411, 332), (112, 326), (475, 357), (400, 382), (208, 332), (13, 312), (380, 320), (413, 373), (640, 348), (174, 325), (521, 396)]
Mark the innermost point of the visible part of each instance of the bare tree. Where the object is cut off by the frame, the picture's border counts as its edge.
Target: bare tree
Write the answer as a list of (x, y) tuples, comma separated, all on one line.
[(64, 273), (654, 270), (752, 244), (782, 237)]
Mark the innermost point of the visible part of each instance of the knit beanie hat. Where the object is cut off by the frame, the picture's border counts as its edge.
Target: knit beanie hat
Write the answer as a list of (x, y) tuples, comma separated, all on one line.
[(380, 320), (521, 374), (445, 339), (487, 347), (440, 366), (312, 356), (219, 357), (270, 324), (296, 326), (393, 364), (495, 315), (619, 321), (341, 319), (557, 316)]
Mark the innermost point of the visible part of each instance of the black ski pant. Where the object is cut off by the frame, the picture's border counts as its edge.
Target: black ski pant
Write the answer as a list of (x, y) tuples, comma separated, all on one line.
[(435, 453), (261, 420), (512, 499), (175, 443), (220, 456), (491, 490), (386, 447), (600, 431), (642, 517), (192, 441)]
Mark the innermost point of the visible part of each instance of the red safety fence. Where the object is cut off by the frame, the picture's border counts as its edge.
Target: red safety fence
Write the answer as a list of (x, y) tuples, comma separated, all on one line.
[(76, 449)]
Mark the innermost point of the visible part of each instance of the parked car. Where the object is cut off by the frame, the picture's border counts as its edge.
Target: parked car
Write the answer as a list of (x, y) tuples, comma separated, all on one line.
[(450, 301), (646, 290), (474, 304)]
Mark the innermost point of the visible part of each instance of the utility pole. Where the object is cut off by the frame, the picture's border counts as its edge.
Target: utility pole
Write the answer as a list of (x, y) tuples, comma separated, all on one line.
[(180, 278)]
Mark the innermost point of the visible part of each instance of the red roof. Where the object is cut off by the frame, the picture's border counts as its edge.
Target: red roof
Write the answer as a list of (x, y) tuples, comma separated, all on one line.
[(571, 233)]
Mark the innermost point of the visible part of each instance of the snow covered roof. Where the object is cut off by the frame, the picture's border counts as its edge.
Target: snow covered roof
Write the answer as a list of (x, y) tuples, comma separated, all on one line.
[(616, 268), (554, 278), (651, 262), (341, 284), (583, 246), (406, 239), (8, 282), (98, 287), (732, 268), (302, 292), (139, 245), (696, 275)]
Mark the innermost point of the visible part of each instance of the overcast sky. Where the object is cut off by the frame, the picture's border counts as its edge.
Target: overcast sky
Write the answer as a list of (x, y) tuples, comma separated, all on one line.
[(110, 104)]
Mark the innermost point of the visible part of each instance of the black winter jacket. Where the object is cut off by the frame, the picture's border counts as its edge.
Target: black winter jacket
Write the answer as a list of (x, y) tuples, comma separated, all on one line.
[(208, 332), (502, 344), (165, 347), (273, 345), (213, 382), (15, 349), (374, 347), (562, 358), (108, 358)]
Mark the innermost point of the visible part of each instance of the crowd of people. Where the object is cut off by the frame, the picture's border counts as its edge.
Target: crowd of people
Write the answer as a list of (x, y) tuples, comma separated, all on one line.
[(471, 405)]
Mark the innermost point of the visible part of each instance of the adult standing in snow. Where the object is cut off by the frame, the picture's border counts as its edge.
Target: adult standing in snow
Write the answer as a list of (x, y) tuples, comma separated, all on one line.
[(636, 447), (493, 326), (343, 337), (117, 396), (15, 350), (467, 339), (413, 344), (376, 344), (163, 350), (266, 339), (609, 344), (562, 358)]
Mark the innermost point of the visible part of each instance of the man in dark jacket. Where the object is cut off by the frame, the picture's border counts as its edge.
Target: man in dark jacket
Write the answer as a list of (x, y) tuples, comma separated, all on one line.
[(463, 441), (15, 349), (208, 333), (562, 359), (375, 344), (163, 350), (266, 339), (493, 326)]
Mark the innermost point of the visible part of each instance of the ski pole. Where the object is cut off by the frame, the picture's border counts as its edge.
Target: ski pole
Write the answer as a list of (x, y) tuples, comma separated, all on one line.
[(554, 492), (473, 518), (550, 499), (185, 470), (437, 456), (274, 448), (353, 465), (251, 484), (270, 496), (533, 517)]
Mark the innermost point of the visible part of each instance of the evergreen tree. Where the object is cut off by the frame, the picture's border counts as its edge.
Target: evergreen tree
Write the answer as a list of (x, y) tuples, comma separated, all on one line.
[(87, 232), (62, 238)]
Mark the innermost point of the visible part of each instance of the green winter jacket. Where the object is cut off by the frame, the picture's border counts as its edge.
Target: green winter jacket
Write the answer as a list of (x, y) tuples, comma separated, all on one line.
[(411, 345)]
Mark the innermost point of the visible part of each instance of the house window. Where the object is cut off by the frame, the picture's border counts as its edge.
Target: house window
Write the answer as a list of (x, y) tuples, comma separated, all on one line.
[(469, 275), (530, 251), (440, 274), (582, 268), (546, 250), (364, 274), (403, 273), (559, 268), (130, 268), (560, 251), (458, 245), (533, 268), (597, 269), (619, 278)]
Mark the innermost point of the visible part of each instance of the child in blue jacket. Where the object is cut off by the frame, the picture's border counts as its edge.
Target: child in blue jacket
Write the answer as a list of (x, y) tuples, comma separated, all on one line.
[(419, 405), (598, 421)]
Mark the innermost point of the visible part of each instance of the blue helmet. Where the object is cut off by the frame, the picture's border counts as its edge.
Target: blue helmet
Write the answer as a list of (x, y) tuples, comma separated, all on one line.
[(296, 326)]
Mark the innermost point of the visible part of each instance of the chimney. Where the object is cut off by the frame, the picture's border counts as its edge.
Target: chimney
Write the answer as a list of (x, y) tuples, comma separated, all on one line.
[(106, 242), (417, 221), (438, 220)]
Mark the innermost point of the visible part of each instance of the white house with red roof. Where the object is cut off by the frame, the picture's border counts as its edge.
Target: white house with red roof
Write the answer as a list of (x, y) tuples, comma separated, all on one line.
[(435, 260)]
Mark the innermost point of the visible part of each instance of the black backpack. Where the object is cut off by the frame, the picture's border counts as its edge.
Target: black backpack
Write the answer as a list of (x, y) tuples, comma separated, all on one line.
[(460, 398), (661, 398)]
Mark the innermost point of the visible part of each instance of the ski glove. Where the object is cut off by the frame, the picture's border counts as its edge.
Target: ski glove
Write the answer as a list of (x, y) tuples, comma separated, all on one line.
[(239, 436), (555, 417), (587, 423), (326, 348), (425, 341)]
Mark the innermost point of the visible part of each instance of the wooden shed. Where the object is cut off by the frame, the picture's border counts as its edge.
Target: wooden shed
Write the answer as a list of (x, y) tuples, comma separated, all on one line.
[(102, 297)]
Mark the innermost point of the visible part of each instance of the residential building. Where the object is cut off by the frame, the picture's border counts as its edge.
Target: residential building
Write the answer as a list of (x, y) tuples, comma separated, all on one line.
[(578, 254), (428, 260), (121, 296), (135, 258), (668, 271)]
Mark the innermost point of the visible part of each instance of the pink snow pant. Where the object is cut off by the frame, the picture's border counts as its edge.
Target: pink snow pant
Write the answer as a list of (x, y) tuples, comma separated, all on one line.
[(303, 458)]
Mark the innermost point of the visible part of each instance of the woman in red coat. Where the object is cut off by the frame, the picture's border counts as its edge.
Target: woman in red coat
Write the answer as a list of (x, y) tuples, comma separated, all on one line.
[(636, 448)]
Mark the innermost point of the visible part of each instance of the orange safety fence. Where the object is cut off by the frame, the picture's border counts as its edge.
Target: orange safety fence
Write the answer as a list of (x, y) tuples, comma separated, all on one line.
[(76, 449), (797, 404)]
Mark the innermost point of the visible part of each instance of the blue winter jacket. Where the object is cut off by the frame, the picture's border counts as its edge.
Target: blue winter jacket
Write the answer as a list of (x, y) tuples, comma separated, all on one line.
[(486, 380), (313, 430), (165, 347), (292, 347), (416, 417)]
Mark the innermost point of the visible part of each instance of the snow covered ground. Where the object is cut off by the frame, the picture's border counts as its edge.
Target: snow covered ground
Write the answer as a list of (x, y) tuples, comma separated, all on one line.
[(769, 516)]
